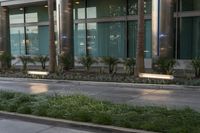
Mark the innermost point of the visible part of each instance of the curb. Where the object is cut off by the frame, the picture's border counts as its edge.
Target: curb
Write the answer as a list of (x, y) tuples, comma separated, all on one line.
[(68, 123), (109, 84)]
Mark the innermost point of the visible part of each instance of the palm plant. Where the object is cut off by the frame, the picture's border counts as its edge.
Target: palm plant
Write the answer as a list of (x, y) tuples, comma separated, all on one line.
[(25, 61), (196, 66), (42, 60), (165, 65), (129, 64), (5, 60), (111, 62), (65, 61), (87, 62)]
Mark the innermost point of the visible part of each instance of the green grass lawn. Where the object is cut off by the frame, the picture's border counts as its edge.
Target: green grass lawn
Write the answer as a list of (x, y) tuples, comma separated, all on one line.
[(82, 108)]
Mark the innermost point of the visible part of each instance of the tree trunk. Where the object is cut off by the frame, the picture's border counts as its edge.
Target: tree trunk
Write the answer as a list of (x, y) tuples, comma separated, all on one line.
[(140, 40), (52, 46)]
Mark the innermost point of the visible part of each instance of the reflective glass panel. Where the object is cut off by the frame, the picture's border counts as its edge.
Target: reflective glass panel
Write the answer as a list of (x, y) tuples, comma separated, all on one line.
[(132, 39), (43, 37), (16, 16), (133, 7), (79, 9), (32, 40), (106, 39), (190, 5), (189, 45), (79, 40), (17, 41), (105, 8), (36, 14)]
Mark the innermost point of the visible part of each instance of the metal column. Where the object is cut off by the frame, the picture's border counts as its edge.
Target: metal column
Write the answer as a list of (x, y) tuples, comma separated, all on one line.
[(65, 26), (162, 29)]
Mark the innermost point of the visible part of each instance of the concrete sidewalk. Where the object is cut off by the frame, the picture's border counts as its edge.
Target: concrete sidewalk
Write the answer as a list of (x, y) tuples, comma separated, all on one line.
[(171, 96), (36, 124), (18, 126)]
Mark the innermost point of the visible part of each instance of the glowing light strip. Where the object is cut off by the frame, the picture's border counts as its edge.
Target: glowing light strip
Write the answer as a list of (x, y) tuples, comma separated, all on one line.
[(38, 73), (156, 76)]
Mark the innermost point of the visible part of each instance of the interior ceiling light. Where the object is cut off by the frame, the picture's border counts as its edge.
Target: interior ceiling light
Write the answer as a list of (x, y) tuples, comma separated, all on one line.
[(77, 2), (46, 6), (21, 9)]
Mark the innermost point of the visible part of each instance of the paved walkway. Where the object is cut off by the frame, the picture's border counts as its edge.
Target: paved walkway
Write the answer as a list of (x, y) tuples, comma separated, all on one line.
[(170, 97), (18, 126)]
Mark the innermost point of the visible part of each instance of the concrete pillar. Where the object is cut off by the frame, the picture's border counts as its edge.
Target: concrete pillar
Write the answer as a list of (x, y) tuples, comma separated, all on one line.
[(162, 29), (65, 26), (4, 29)]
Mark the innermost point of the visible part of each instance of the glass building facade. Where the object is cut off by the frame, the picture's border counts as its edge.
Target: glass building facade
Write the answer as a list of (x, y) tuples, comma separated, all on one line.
[(103, 28), (29, 33), (109, 28), (188, 29)]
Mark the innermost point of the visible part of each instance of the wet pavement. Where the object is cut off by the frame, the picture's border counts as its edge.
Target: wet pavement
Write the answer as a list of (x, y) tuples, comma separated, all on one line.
[(173, 98)]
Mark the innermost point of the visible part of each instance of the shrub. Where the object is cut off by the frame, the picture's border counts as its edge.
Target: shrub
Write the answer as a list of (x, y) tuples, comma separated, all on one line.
[(6, 59), (40, 108), (196, 66), (165, 65), (5, 95), (82, 108), (66, 61), (129, 64), (25, 61), (24, 109), (42, 60), (87, 62), (102, 118), (111, 62)]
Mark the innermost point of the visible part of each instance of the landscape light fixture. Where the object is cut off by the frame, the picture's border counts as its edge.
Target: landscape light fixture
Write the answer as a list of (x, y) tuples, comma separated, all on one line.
[(38, 73), (156, 76)]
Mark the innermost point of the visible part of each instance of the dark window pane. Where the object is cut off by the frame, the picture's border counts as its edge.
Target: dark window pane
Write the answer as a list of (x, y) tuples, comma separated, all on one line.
[(133, 7), (189, 5), (132, 39), (36, 14), (189, 46), (105, 8), (106, 39)]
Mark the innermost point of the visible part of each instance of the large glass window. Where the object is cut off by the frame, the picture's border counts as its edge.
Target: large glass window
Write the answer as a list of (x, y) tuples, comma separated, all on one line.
[(106, 39), (79, 9), (148, 39), (133, 7), (79, 40), (105, 8), (190, 5), (17, 41), (132, 39), (109, 38), (32, 39), (43, 37), (189, 45), (36, 14), (16, 16)]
